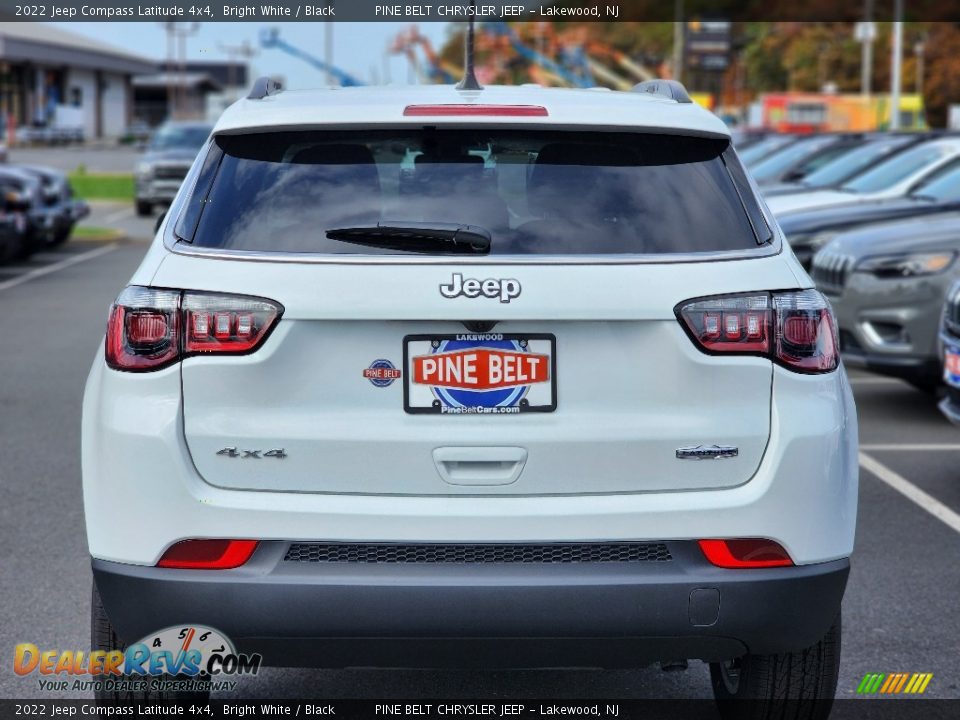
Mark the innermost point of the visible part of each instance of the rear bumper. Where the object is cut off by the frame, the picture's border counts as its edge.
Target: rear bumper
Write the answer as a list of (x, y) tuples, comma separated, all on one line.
[(614, 614)]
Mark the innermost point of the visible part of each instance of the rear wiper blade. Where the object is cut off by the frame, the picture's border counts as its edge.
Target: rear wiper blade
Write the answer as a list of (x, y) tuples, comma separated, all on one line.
[(418, 237)]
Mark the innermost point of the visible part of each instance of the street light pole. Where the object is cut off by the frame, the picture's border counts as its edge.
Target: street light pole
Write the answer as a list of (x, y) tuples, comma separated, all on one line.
[(896, 65), (678, 40), (866, 51)]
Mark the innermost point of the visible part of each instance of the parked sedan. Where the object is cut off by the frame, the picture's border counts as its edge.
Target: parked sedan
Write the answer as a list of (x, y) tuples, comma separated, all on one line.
[(799, 159), (839, 170), (887, 283), (809, 231), (950, 339), (893, 178)]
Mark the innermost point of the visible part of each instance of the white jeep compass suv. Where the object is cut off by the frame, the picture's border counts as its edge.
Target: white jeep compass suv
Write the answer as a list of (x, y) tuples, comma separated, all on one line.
[(501, 377)]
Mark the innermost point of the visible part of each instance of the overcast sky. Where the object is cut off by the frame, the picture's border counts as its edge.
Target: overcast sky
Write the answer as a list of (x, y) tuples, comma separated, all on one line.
[(358, 48)]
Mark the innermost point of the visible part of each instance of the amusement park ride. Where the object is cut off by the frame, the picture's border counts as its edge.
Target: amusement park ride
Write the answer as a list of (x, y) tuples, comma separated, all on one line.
[(538, 52)]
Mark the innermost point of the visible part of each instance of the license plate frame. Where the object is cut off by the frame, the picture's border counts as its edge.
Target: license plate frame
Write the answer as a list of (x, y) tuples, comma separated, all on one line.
[(508, 400)]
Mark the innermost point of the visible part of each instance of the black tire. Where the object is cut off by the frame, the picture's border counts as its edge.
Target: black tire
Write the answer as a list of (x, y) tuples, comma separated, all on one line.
[(61, 236), (104, 637), (144, 209), (797, 685), (28, 242)]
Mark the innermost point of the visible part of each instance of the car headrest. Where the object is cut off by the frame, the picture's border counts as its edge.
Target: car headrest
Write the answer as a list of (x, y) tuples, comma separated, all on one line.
[(566, 171)]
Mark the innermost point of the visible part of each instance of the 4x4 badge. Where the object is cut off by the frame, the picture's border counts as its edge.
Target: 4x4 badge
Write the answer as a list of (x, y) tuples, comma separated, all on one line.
[(505, 289)]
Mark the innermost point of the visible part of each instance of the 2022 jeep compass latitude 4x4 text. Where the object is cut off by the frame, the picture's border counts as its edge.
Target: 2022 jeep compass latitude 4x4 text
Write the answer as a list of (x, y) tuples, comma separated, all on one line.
[(500, 377)]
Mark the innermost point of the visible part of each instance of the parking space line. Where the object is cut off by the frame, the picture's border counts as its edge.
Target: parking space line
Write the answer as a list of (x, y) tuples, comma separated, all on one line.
[(910, 491), (916, 447), (67, 262)]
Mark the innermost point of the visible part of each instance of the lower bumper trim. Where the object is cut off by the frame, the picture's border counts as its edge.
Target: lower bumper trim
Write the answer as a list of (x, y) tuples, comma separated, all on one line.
[(587, 614)]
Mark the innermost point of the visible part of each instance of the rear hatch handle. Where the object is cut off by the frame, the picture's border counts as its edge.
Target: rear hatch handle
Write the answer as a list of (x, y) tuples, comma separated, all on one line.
[(480, 465)]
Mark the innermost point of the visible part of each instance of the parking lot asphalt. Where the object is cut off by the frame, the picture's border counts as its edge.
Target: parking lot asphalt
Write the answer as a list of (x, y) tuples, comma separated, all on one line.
[(900, 611)]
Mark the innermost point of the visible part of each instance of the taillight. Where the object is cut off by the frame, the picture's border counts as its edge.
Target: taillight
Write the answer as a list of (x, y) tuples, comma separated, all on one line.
[(223, 324), (208, 554), (143, 331), (149, 329), (794, 329), (745, 553)]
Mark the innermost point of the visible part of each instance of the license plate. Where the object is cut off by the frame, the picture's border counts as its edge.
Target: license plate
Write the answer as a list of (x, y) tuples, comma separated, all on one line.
[(951, 366), (479, 374)]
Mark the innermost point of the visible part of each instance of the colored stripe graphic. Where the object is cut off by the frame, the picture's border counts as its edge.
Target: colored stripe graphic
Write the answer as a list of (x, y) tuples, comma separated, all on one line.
[(894, 683)]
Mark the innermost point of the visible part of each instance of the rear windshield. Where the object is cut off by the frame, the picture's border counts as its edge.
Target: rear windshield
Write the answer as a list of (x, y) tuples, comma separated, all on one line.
[(533, 192), (898, 168), (849, 164)]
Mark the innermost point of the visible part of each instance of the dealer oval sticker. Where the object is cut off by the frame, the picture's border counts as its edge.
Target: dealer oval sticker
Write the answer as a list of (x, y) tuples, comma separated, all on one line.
[(382, 373)]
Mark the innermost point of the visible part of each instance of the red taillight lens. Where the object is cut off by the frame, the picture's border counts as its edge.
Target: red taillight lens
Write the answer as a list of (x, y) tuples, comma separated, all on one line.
[(732, 324), (143, 329), (475, 110), (745, 553), (794, 329), (208, 554), (806, 332), (149, 329), (222, 324)]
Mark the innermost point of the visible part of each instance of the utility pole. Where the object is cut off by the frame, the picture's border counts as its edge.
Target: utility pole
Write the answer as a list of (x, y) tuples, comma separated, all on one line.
[(678, 28), (919, 49), (896, 65), (866, 34), (328, 48)]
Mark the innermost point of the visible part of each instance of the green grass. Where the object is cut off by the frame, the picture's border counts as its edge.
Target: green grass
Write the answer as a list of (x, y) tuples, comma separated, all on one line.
[(102, 186), (91, 232)]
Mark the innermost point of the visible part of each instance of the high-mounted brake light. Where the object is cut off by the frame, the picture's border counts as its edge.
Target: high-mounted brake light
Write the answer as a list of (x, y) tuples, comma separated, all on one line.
[(745, 553), (461, 110), (794, 329), (208, 554), (150, 329)]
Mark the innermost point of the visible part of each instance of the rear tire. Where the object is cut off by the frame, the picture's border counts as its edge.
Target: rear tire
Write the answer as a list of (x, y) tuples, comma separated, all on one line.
[(61, 236), (799, 685), (103, 636), (144, 209)]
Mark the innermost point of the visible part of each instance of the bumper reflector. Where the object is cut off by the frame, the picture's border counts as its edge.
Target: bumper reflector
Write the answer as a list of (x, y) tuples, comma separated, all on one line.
[(208, 554), (745, 553)]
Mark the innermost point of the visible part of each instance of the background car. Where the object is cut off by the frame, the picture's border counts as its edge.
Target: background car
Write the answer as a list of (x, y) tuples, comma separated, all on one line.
[(832, 174), (13, 222), (887, 283), (25, 193), (809, 231), (61, 212), (799, 159), (950, 339), (168, 159), (894, 177), (761, 149)]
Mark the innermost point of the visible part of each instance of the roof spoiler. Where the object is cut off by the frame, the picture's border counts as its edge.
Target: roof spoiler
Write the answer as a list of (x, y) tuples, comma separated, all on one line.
[(670, 89), (263, 87)]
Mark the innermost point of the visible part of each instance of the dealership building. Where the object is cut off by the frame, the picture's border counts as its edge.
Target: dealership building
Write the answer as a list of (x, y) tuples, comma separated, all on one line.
[(50, 76)]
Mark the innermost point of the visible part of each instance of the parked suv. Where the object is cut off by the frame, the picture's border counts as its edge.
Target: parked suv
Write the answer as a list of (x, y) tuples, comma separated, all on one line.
[(950, 341), (553, 393), (888, 282), (161, 169)]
